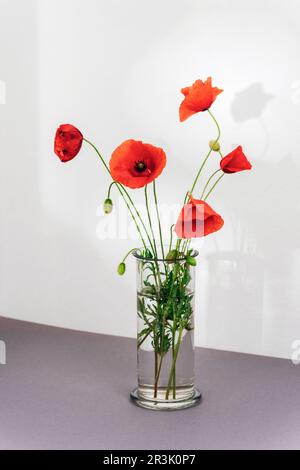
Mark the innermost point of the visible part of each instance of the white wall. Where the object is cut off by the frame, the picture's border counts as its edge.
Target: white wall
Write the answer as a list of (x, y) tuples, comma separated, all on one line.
[(115, 69)]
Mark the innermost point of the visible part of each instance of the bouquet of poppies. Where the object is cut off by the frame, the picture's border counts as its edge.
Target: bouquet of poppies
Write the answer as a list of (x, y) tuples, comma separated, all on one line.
[(134, 165)]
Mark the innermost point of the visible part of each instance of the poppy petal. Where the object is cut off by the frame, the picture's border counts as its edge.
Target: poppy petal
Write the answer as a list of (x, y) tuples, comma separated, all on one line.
[(67, 142), (235, 161), (135, 164), (197, 219), (197, 98), (185, 112)]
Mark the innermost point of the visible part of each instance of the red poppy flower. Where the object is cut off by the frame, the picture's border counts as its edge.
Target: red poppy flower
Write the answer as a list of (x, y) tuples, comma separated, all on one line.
[(197, 219), (67, 143), (136, 164), (235, 161), (198, 97)]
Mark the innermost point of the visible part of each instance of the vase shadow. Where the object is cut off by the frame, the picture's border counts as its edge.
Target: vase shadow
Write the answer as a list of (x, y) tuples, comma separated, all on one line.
[(249, 287), (234, 301)]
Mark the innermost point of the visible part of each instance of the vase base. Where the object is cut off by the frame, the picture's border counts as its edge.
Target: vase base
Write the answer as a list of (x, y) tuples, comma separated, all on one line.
[(165, 405)]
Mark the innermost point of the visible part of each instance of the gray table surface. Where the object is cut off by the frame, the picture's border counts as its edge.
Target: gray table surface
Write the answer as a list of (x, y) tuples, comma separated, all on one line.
[(63, 389)]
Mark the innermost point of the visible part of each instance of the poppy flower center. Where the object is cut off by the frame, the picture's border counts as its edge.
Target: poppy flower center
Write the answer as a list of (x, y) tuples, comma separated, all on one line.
[(140, 166)]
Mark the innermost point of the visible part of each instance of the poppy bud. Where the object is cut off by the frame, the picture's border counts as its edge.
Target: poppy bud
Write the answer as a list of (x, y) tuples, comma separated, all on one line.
[(67, 142), (235, 161), (214, 145), (148, 254), (172, 255), (108, 206), (121, 268), (191, 260)]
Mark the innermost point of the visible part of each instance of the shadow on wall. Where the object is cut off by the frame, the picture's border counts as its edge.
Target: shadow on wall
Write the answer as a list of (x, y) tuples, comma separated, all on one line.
[(250, 103), (234, 315), (256, 282)]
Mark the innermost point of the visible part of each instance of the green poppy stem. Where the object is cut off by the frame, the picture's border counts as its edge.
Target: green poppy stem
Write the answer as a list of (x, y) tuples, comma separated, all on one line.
[(109, 188), (171, 237), (213, 186), (158, 220), (123, 192), (208, 154), (208, 181), (128, 253), (150, 220)]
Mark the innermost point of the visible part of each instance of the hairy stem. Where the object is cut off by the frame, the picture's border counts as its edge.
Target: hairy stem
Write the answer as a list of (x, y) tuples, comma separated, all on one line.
[(208, 181), (213, 186), (109, 188), (128, 253), (140, 218), (174, 362), (171, 237), (208, 154), (149, 219), (157, 375), (158, 220), (123, 192)]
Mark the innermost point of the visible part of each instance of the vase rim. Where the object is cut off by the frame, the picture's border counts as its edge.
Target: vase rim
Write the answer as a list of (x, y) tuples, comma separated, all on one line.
[(137, 254)]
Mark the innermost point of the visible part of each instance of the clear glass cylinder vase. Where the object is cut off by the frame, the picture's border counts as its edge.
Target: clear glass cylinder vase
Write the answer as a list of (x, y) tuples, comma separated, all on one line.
[(165, 334)]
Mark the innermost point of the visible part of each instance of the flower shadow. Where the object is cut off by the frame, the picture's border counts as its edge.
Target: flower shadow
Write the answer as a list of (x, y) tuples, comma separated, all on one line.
[(250, 103)]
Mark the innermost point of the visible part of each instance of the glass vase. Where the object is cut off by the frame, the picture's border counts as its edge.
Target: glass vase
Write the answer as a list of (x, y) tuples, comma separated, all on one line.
[(165, 334)]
